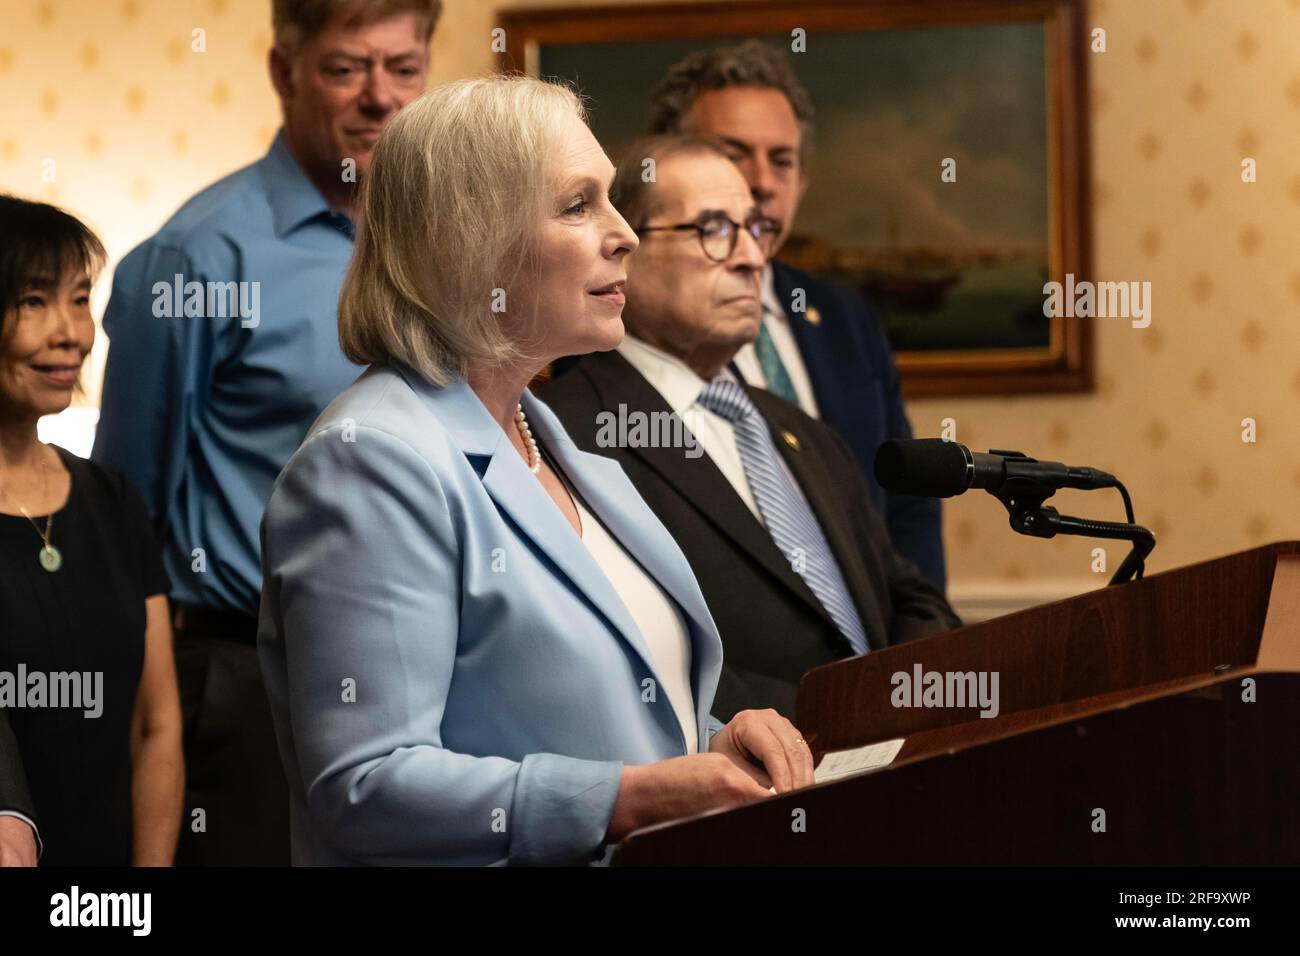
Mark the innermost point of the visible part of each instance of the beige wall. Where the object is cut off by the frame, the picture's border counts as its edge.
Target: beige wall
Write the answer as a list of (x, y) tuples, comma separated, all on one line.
[(136, 123)]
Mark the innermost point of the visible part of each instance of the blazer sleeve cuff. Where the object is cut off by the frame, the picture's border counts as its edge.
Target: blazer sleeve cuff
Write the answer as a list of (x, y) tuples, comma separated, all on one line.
[(562, 808), (714, 726)]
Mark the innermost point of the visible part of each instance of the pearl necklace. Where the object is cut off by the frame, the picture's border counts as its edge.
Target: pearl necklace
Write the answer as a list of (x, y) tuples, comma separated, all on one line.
[(534, 454)]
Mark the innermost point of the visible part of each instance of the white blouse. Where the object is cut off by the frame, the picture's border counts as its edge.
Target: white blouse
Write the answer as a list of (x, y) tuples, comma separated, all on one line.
[(656, 615)]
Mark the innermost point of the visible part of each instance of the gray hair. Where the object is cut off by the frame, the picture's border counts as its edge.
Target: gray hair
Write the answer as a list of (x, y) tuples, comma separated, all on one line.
[(637, 200), (751, 63)]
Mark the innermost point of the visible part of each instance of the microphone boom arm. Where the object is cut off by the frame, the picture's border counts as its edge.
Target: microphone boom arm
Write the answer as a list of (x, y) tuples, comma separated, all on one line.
[(1023, 499)]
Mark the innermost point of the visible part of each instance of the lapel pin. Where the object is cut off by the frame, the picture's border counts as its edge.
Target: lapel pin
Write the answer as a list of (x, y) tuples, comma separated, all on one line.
[(791, 440), (813, 315)]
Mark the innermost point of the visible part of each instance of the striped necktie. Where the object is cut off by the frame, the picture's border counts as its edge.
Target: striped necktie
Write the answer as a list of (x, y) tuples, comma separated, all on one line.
[(789, 519)]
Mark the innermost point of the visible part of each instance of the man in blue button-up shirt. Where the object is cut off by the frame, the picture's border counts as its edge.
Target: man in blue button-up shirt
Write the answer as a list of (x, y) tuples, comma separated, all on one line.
[(224, 350)]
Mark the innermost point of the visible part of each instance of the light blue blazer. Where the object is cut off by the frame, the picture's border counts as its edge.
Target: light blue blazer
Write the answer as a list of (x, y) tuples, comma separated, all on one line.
[(452, 677)]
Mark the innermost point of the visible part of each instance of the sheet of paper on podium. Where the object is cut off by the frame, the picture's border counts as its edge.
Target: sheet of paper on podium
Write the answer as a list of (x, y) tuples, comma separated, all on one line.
[(843, 763)]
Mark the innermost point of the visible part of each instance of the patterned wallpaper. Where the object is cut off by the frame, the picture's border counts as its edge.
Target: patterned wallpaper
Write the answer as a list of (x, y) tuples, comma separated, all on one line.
[(109, 112), (1186, 90)]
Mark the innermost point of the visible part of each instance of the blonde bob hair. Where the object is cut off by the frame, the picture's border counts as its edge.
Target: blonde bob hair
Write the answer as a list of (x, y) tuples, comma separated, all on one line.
[(450, 214)]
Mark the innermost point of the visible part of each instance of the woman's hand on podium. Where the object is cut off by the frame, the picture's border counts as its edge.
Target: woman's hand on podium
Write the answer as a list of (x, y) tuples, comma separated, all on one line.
[(757, 751), (678, 787), (768, 748)]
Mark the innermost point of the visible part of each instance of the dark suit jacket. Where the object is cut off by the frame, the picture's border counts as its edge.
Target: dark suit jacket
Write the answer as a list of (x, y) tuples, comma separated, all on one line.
[(856, 384), (13, 779), (773, 628)]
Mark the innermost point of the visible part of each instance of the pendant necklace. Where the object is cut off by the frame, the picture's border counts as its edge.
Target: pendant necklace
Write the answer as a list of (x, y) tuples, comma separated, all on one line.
[(49, 556)]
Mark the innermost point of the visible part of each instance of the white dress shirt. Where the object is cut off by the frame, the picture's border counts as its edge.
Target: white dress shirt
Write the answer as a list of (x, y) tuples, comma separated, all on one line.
[(680, 386), (777, 322), (656, 615)]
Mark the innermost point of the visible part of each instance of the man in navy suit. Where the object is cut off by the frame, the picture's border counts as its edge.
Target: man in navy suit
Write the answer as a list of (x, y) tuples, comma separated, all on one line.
[(819, 347)]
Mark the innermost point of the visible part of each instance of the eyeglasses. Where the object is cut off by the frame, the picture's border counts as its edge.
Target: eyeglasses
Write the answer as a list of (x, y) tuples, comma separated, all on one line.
[(718, 234)]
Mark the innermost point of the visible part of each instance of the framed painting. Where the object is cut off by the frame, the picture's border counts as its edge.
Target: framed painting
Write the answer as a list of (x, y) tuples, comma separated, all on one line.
[(949, 170)]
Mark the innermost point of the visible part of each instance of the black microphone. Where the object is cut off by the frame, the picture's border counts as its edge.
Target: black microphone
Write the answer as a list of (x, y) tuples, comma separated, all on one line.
[(934, 468)]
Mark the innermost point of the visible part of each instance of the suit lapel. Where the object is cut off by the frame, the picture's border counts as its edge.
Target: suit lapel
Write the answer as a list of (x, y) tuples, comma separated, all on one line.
[(521, 497), (808, 337), (603, 486), (612, 498), (519, 494), (821, 498), (697, 480)]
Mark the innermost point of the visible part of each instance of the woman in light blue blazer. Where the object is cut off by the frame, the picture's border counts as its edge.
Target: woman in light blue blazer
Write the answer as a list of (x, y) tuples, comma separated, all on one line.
[(480, 645)]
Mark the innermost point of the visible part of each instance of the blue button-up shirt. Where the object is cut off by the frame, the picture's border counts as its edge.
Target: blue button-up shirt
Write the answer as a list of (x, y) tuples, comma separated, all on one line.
[(206, 396)]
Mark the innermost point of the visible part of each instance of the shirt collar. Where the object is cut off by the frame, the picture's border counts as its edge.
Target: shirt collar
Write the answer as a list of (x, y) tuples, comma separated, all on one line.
[(458, 408), (293, 198), (772, 308), (672, 378)]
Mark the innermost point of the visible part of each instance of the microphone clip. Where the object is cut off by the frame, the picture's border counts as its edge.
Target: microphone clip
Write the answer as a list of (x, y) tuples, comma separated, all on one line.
[(1024, 496)]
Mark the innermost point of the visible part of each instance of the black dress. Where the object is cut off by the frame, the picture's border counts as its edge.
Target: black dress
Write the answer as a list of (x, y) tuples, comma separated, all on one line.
[(88, 616)]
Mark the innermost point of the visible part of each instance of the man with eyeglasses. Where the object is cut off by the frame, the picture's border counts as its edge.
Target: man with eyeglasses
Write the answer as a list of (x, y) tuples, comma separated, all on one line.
[(819, 346), (774, 517), (207, 395)]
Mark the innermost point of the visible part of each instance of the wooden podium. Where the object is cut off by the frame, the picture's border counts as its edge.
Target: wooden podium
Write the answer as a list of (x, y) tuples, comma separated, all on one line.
[(1167, 709)]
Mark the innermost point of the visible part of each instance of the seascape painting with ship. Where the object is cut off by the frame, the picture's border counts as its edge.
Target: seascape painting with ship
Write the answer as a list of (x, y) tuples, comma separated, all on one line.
[(950, 265)]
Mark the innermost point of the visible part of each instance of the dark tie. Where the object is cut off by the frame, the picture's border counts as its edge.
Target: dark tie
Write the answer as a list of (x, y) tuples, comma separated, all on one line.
[(769, 359), (789, 519)]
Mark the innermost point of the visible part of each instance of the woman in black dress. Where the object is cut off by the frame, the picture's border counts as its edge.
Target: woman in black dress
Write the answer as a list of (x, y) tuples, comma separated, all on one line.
[(87, 683)]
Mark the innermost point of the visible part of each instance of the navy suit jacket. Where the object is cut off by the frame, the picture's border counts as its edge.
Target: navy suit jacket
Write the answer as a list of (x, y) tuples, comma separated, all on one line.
[(856, 383)]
